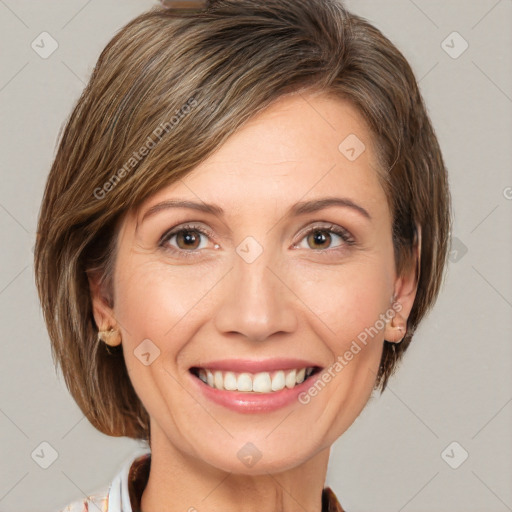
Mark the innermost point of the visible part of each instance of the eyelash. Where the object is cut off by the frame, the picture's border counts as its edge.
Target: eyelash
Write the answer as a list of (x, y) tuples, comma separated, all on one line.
[(341, 232)]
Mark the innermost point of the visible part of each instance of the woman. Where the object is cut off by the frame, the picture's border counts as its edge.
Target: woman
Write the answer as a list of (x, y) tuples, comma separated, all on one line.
[(246, 220)]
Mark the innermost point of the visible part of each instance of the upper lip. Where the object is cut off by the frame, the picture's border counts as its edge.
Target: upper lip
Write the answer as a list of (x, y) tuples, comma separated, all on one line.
[(251, 366)]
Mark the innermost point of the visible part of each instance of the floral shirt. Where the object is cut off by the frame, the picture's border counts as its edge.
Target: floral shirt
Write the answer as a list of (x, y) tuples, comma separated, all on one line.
[(125, 492)]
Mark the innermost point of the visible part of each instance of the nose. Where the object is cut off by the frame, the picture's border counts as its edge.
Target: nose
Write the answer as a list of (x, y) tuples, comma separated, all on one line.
[(256, 300)]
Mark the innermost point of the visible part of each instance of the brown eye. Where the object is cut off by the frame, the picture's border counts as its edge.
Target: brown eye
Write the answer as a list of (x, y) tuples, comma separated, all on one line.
[(187, 239), (319, 239)]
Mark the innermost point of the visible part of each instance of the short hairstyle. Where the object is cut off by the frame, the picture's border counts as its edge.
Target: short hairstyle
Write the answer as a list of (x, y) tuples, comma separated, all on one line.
[(185, 82)]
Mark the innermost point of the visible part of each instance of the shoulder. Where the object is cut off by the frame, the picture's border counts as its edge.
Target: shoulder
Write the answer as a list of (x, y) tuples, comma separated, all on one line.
[(94, 503), (123, 491)]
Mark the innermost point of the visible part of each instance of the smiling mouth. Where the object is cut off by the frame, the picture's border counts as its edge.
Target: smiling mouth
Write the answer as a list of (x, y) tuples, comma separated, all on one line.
[(261, 382)]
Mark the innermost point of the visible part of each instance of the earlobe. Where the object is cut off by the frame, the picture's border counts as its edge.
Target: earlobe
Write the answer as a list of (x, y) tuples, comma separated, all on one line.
[(111, 337), (396, 329)]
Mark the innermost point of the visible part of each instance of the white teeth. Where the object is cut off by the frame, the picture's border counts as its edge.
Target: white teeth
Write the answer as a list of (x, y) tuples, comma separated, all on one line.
[(278, 381), (290, 379), (262, 382), (244, 382), (218, 379), (230, 381)]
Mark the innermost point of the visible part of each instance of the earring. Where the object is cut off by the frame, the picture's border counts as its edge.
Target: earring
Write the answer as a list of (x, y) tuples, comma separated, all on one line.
[(111, 337)]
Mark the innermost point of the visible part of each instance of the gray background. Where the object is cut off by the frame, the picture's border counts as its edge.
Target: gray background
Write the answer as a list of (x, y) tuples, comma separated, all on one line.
[(455, 381)]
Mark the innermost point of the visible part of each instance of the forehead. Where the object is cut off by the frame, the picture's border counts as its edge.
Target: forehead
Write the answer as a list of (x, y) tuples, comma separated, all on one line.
[(301, 147)]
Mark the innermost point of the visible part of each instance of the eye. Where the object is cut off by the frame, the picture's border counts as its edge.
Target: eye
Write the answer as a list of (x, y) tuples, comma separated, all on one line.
[(322, 237), (188, 239)]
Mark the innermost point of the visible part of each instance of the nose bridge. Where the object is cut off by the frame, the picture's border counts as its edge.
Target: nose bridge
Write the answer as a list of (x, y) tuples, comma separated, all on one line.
[(255, 301)]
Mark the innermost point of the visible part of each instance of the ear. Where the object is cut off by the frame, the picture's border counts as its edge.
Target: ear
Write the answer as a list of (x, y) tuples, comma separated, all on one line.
[(102, 311), (406, 286)]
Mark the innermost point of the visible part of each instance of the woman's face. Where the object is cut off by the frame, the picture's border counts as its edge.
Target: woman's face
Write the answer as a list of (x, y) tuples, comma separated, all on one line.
[(258, 290)]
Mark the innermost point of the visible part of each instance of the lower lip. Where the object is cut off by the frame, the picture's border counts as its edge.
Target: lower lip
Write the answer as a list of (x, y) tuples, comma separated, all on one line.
[(251, 402)]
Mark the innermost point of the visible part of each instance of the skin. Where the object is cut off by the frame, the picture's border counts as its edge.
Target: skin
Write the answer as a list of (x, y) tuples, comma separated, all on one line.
[(290, 301)]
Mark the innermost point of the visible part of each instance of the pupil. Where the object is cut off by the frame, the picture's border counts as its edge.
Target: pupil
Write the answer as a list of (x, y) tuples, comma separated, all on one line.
[(319, 237), (189, 237)]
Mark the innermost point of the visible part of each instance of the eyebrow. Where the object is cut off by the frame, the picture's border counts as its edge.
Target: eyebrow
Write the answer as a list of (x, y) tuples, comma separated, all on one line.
[(300, 208)]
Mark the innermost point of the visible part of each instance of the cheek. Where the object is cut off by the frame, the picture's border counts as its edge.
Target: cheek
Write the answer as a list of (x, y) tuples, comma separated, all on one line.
[(347, 299), (141, 306), (152, 298)]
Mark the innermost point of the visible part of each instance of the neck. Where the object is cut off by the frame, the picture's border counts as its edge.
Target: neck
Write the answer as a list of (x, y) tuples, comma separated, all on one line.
[(180, 482)]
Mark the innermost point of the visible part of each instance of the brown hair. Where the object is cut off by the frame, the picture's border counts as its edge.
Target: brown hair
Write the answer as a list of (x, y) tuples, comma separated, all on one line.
[(187, 81)]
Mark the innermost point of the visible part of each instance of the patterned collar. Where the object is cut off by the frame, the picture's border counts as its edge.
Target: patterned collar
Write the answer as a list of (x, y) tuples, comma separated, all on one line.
[(139, 473)]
